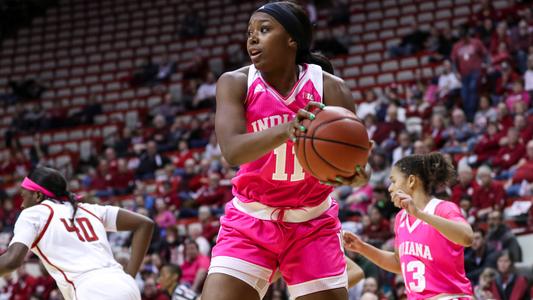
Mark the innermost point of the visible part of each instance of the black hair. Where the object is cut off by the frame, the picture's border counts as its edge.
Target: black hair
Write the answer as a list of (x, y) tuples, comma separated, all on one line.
[(304, 54), (433, 169), (56, 183), (174, 269)]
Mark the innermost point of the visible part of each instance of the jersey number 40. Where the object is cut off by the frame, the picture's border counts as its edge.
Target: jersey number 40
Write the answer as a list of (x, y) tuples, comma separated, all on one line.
[(84, 230)]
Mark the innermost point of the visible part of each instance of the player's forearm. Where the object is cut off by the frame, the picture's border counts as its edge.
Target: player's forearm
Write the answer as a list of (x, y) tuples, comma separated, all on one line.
[(384, 259), (455, 231), (139, 246), (247, 147)]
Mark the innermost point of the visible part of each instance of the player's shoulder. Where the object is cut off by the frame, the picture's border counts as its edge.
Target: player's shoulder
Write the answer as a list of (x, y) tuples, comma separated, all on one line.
[(444, 207), (332, 80), (239, 76)]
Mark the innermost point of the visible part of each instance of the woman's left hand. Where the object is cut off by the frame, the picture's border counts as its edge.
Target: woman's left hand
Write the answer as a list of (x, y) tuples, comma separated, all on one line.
[(405, 201), (360, 178)]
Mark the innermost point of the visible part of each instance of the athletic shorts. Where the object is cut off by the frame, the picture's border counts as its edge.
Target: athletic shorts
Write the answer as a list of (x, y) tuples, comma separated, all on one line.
[(306, 247), (107, 285)]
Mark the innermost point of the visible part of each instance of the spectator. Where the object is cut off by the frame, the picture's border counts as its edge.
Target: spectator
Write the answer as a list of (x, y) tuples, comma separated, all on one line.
[(339, 13), (523, 172), (502, 79), (478, 257), (90, 110), (468, 55), (510, 152), (205, 96), (500, 36), (488, 145), (389, 129), (405, 147), (508, 283), (169, 280), (410, 43), (489, 195), (195, 234), (377, 231), (184, 153), (518, 96), (166, 68), (194, 267), (145, 74), (151, 292), (528, 76), (485, 114), (500, 237), (521, 39), (371, 289), (150, 161), (122, 178), (449, 85), (212, 193), (482, 291), (466, 185), (485, 32)]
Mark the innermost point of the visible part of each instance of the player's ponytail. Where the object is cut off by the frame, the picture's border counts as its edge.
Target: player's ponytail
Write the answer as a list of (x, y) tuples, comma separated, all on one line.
[(296, 22), (54, 185), (433, 169)]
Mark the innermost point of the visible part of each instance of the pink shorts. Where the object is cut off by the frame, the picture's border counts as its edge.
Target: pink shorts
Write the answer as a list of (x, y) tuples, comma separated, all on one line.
[(308, 254)]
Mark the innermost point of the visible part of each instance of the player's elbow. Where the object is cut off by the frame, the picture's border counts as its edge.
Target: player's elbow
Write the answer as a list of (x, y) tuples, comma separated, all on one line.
[(467, 238)]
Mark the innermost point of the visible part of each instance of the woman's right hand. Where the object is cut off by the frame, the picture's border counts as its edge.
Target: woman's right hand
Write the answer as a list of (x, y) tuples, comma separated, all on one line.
[(352, 242), (295, 126)]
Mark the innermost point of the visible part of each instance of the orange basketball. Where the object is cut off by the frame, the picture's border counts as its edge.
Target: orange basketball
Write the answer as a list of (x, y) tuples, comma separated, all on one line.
[(335, 142)]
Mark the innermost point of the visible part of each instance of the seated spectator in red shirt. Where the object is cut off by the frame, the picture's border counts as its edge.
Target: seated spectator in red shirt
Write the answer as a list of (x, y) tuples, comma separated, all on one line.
[(504, 118), (391, 128), (503, 78), (210, 224), (111, 157), (212, 193), (525, 130), (151, 292), (378, 230), (509, 284), (194, 267), (500, 36), (489, 144), (517, 96), (465, 186), (489, 195), (184, 154), (510, 153), (524, 170), (502, 54), (122, 178)]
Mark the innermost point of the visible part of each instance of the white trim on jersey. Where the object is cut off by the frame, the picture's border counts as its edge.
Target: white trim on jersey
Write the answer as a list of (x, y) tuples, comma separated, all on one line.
[(309, 72), (430, 209)]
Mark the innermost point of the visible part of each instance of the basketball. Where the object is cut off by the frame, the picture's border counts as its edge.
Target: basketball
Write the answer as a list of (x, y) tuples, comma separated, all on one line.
[(335, 142)]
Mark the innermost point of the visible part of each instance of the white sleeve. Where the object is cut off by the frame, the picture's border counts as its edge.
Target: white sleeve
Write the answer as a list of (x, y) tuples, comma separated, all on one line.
[(29, 224), (106, 213)]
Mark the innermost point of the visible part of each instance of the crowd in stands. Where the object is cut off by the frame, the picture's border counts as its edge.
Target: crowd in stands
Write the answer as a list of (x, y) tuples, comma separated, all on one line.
[(169, 166)]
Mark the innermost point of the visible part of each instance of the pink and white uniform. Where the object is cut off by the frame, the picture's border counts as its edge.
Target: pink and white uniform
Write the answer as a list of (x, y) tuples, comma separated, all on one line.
[(432, 265), (280, 217)]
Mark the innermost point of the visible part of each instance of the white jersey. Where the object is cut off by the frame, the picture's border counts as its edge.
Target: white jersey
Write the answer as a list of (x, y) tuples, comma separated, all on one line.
[(69, 251)]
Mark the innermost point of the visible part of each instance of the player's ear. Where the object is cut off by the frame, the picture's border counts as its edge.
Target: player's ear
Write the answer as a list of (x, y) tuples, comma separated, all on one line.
[(292, 43), (38, 196), (411, 182)]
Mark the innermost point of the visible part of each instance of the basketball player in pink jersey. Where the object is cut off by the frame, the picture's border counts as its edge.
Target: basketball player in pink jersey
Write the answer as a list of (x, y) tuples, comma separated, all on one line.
[(71, 241), (280, 217), (430, 233)]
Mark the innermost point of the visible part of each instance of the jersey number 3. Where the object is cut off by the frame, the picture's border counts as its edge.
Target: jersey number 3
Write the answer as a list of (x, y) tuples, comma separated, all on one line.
[(281, 165), (418, 270), (87, 233)]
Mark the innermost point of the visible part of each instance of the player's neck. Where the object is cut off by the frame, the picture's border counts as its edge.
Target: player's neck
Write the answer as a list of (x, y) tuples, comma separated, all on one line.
[(282, 80), (421, 199)]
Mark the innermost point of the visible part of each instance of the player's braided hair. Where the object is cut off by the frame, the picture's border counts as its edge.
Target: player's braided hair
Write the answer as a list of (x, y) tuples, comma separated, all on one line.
[(56, 183), (433, 169)]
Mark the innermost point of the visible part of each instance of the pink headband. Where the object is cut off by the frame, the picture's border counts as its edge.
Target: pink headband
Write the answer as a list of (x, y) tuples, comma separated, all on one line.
[(34, 187)]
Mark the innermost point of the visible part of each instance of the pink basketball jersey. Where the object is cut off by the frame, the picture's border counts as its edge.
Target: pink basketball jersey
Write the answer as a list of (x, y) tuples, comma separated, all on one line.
[(431, 264), (277, 179)]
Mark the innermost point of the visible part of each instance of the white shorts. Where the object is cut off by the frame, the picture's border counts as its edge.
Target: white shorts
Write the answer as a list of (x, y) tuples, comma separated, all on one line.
[(107, 285)]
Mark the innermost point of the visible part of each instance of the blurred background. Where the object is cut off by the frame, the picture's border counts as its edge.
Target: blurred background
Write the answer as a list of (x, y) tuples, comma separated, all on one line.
[(119, 96)]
